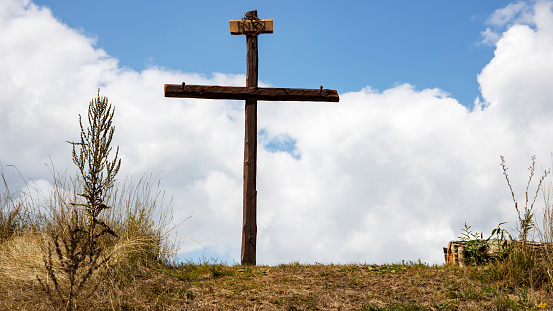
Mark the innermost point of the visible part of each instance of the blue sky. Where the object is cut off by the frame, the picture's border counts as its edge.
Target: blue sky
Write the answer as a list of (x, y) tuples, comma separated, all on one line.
[(431, 94), (344, 46)]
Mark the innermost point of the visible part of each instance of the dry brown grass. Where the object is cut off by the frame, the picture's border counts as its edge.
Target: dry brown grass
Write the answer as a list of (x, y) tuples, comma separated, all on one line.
[(295, 287), (30, 219), (21, 258)]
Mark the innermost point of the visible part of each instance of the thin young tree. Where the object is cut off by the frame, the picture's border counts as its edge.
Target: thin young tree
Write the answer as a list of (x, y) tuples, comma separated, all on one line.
[(78, 251), (96, 170)]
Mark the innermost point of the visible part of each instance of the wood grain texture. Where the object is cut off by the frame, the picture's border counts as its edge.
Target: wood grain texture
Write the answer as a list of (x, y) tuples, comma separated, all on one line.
[(249, 209), (242, 93), (240, 27)]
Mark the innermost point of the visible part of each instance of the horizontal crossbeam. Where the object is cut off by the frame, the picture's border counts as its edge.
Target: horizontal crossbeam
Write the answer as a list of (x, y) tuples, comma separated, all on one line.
[(259, 93)]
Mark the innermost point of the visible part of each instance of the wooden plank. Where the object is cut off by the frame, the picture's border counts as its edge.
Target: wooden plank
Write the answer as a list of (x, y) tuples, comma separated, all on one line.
[(240, 27), (242, 93), (249, 204)]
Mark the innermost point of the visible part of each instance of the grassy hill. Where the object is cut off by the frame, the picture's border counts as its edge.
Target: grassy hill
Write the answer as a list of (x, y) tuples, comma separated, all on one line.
[(292, 286)]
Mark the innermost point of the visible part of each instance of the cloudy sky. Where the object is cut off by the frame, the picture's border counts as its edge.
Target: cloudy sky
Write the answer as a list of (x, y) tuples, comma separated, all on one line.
[(431, 94)]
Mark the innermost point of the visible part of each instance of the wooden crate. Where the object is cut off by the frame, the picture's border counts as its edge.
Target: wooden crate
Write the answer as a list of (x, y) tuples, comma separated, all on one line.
[(454, 253)]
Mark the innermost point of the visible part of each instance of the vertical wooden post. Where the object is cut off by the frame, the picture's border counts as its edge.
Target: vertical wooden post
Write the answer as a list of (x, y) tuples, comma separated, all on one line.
[(249, 229)]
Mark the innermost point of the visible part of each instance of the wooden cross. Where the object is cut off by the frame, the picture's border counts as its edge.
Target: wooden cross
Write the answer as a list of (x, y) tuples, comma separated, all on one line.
[(251, 26)]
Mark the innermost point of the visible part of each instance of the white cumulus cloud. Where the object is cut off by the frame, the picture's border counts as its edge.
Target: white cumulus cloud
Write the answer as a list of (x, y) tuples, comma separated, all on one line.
[(520, 12)]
